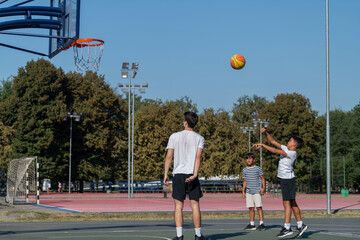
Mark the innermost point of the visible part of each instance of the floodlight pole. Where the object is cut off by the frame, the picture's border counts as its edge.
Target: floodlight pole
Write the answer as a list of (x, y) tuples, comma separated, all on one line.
[(125, 74), (125, 90), (328, 180), (132, 143), (245, 130), (256, 122), (77, 118), (142, 90), (70, 155)]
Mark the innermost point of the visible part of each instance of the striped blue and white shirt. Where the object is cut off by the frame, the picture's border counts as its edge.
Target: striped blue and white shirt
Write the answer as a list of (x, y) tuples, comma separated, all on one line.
[(253, 182)]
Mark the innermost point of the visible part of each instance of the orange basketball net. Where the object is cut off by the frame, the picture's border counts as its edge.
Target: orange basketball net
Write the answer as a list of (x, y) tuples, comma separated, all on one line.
[(87, 54)]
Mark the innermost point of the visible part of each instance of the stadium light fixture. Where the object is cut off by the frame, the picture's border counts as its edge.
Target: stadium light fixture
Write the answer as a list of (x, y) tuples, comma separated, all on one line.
[(124, 74), (135, 66), (125, 65)]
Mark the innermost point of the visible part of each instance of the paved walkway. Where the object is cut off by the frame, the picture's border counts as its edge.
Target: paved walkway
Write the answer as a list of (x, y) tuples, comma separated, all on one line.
[(118, 202)]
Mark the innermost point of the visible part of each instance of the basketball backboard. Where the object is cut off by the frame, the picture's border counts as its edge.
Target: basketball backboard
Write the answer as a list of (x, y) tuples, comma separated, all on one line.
[(69, 31), (59, 21)]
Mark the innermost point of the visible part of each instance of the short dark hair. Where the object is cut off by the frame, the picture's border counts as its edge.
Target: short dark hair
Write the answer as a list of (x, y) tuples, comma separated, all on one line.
[(299, 141), (250, 155), (191, 118)]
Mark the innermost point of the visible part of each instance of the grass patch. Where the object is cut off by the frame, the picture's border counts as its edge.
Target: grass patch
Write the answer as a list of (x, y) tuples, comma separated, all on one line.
[(32, 216)]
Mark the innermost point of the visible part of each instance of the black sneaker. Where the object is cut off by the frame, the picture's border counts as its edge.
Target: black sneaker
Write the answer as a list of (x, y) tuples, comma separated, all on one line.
[(200, 238), (178, 238), (301, 230), (285, 232), (261, 227), (250, 227)]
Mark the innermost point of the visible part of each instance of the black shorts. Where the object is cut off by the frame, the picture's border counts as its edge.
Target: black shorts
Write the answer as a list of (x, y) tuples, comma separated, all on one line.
[(288, 189), (181, 188)]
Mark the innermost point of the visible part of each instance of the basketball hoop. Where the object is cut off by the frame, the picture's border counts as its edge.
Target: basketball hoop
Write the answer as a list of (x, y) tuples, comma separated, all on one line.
[(87, 54)]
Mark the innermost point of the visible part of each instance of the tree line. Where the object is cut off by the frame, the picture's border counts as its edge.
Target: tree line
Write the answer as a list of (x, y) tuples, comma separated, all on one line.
[(35, 102)]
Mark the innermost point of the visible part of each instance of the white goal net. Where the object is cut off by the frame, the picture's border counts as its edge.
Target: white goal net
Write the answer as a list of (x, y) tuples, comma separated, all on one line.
[(22, 185)]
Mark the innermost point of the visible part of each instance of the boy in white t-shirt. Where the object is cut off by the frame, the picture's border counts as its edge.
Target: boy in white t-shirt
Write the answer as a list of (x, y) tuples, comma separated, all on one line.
[(186, 147), (287, 180)]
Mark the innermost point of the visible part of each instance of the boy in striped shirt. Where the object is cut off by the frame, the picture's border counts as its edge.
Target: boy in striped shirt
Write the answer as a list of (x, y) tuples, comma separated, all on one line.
[(253, 189)]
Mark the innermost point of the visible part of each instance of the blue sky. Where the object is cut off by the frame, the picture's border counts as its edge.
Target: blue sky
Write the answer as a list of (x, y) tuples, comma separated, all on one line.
[(184, 48)]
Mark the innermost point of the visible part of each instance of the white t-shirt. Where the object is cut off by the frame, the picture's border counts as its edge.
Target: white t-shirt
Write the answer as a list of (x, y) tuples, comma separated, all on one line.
[(286, 164), (185, 144)]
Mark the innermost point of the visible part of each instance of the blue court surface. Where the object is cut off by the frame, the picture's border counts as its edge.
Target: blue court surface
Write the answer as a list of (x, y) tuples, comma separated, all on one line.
[(319, 228)]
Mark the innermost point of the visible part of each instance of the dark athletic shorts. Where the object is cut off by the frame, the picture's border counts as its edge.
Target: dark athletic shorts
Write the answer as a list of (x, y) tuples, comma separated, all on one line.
[(288, 189), (181, 188)]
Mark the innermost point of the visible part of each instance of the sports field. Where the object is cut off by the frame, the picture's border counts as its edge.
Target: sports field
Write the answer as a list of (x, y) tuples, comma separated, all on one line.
[(118, 202), (320, 229)]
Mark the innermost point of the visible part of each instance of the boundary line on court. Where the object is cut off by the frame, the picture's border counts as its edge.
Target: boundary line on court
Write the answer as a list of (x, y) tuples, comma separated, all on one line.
[(56, 208), (185, 211)]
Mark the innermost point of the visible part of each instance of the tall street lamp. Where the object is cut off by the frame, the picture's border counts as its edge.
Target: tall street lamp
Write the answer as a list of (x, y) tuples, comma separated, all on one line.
[(266, 123), (129, 73), (77, 119), (245, 130), (142, 91)]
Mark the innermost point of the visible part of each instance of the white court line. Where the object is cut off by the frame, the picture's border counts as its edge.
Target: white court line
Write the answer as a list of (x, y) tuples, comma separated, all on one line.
[(351, 235), (111, 236)]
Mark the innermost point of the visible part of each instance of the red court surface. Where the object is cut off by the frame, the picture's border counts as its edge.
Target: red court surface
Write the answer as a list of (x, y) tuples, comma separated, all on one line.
[(142, 202)]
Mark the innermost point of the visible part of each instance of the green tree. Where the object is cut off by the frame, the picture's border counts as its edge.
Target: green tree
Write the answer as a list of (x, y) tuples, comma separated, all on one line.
[(5, 88), (99, 139), (247, 108), (225, 144), (32, 110), (352, 167), (155, 121), (154, 124), (6, 135)]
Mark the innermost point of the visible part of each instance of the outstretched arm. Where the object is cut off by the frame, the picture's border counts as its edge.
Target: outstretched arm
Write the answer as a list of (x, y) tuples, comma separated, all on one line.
[(168, 159), (270, 138), (271, 149)]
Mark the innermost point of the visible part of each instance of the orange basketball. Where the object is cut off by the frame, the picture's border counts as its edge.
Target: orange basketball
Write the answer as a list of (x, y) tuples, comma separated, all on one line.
[(237, 62)]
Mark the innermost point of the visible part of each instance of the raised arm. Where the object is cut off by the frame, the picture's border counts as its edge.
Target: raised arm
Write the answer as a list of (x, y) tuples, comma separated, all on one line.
[(270, 138)]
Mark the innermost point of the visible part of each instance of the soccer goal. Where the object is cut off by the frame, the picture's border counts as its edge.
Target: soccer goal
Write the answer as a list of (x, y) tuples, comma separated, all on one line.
[(22, 184)]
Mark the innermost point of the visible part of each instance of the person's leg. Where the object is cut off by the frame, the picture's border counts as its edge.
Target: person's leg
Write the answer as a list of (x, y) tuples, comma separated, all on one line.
[(194, 195), (287, 211), (179, 205), (179, 197), (261, 213), (196, 214), (296, 210), (252, 215)]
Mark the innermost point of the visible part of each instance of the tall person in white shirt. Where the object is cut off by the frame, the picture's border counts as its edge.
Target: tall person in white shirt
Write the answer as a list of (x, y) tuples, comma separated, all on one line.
[(287, 180), (186, 148)]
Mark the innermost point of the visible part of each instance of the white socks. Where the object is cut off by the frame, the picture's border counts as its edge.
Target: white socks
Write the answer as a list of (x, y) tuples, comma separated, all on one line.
[(178, 231), (198, 232), (252, 223), (287, 226), (261, 222), (299, 224)]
